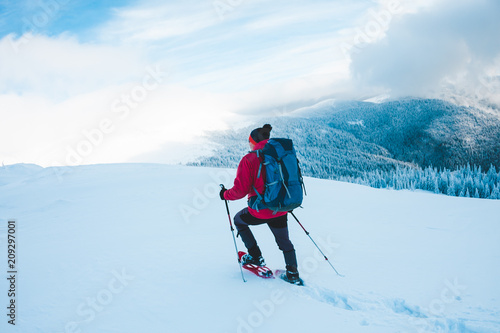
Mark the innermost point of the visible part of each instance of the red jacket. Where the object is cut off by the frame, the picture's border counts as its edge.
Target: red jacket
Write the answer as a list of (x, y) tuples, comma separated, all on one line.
[(246, 179)]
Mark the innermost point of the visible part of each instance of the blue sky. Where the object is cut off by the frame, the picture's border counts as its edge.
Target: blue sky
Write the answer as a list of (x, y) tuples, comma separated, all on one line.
[(207, 45), (114, 81), (63, 15)]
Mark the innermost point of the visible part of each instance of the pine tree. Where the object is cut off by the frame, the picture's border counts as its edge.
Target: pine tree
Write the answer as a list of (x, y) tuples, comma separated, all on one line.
[(487, 191), (451, 190), (495, 193), (436, 185)]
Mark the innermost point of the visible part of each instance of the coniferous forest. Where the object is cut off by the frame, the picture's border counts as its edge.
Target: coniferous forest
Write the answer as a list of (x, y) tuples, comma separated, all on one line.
[(415, 144)]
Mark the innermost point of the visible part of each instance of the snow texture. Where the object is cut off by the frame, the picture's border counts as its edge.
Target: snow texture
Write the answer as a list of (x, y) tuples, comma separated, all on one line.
[(148, 248)]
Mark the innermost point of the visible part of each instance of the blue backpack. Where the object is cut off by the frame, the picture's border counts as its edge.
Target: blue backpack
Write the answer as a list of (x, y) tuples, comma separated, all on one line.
[(284, 185)]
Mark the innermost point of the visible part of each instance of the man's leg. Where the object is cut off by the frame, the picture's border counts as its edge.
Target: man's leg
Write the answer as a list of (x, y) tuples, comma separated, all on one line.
[(242, 220), (279, 228)]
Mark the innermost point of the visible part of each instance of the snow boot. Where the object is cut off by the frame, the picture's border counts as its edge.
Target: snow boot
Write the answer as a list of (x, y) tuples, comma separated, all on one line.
[(247, 259), (292, 276)]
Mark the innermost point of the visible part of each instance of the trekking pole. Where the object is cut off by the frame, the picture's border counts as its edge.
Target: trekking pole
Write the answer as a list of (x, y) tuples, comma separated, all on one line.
[(234, 238), (307, 233)]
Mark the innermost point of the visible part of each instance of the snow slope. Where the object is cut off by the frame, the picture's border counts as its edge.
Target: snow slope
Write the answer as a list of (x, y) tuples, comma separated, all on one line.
[(147, 248)]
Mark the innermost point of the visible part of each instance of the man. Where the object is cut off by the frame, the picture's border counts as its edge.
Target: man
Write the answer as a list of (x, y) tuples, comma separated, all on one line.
[(247, 177)]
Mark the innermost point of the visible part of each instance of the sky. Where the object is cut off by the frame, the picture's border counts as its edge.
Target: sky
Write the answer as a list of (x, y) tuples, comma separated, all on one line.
[(85, 82)]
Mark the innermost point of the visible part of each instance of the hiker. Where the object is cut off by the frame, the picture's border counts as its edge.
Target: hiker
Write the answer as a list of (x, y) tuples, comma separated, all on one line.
[(246, 180)]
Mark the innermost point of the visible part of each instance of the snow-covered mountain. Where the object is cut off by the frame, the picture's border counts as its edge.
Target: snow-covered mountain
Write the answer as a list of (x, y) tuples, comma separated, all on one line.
[(348, 138), (148, 248)]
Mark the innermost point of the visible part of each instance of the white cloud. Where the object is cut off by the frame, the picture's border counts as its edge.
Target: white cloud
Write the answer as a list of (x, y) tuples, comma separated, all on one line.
[(104, 126), (292, 16), (54, 91), (154, 21), (61, 67), (452, 41), (256, 44)]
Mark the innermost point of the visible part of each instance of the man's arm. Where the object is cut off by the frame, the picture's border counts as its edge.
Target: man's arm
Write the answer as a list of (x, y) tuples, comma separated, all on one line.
[(243, 181)]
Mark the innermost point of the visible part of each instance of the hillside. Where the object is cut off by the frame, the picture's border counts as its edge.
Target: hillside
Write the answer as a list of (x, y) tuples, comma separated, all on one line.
[(339, 138), (147, 248), (425, 132)]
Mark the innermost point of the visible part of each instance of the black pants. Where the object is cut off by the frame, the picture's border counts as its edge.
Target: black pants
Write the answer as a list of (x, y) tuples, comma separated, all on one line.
[(279, 227)]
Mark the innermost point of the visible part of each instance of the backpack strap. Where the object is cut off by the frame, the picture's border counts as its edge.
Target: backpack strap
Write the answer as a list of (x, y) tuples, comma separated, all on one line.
[(259, 199), (301, 179), (261, 162), (283, 180)]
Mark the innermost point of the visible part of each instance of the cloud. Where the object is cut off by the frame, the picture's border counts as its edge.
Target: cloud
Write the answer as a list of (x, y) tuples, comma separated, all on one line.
[(56, 91), (262, 59), (110, 125), (157, 20), (452, 41), (60, 67), (256, 43)]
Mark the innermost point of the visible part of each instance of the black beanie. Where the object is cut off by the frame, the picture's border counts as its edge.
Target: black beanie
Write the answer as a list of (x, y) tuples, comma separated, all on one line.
[(261, 133)]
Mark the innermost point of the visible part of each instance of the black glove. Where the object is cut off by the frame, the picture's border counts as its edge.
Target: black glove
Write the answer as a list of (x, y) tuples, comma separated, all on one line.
[(221, 194)]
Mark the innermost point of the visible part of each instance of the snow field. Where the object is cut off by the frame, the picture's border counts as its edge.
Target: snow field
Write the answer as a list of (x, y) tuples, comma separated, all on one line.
[(145, 247)]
